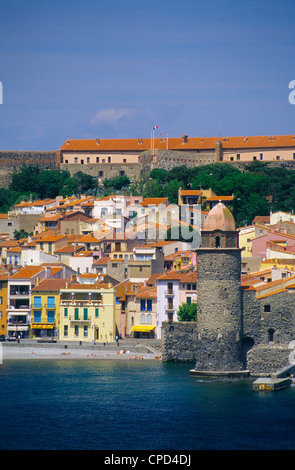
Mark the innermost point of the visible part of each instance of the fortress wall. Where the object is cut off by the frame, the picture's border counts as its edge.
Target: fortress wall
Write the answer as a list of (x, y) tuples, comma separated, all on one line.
[(105, 170), (11, 159)]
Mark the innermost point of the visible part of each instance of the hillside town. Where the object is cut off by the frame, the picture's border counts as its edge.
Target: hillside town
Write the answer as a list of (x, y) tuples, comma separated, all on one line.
[(98, 269)]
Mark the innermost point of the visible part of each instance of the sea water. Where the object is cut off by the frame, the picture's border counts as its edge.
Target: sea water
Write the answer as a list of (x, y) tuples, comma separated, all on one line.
[(136, 405)]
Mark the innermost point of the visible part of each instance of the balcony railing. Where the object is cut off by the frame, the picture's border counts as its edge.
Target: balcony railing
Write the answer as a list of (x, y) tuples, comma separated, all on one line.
[(18, 309), (169, 292)]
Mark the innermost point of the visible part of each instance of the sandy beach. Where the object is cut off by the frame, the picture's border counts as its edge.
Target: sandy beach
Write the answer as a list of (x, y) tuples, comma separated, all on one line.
[(35, 351)]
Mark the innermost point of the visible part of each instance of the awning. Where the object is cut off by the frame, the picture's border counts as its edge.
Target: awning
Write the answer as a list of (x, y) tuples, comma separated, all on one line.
[(42, 326), (142, 328)]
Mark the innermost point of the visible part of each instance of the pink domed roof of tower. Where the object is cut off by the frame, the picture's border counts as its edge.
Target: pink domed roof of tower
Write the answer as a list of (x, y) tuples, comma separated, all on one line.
[(220, 218)]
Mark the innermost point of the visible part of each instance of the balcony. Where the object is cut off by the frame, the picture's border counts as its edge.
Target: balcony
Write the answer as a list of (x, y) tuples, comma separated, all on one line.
[(79, 302), (19, 293), (19, 310), (169, 293), (79, 320), (169, 309)]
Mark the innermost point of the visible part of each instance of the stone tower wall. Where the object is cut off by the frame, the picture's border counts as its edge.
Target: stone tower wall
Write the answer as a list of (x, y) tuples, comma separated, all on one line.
[(219, 310)]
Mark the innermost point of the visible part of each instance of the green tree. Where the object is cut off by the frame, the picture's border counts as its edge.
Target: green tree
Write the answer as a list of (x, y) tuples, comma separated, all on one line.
[(51, 182), (19, 234), (83, 182), (171, 190), (116, 183), (25, 179), (159, 174), (187, 312)]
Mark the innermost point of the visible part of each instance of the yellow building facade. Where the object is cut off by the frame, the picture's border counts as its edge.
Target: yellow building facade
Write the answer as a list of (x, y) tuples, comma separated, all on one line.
[(3, 302), (246, 235), (45, 313), (87, 313)]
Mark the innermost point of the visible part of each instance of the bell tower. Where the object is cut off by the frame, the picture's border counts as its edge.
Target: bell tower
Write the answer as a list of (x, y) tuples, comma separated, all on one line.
[(219, 317)]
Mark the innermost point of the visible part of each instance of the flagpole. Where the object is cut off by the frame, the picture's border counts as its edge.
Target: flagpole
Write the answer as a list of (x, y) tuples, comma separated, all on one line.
[(153, 140)]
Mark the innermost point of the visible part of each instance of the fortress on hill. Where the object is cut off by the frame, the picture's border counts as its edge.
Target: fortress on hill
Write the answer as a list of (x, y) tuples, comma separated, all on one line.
[(107, 158), (237, 329)]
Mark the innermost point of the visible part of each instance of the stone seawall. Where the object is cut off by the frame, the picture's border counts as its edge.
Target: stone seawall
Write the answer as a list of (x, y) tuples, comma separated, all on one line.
[(179, 341), (267, 359)]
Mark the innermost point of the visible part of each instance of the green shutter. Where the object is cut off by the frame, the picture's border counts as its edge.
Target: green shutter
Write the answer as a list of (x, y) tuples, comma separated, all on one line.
[(76, 314)]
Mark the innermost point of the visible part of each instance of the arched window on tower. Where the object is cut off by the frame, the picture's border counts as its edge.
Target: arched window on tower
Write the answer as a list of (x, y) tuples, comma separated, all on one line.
[(271, 333), (217, 241)]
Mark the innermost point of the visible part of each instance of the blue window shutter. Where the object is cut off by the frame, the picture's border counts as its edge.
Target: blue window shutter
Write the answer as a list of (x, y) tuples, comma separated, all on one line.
[(37, 316), (51, 316), (37, 302), (51, 302)]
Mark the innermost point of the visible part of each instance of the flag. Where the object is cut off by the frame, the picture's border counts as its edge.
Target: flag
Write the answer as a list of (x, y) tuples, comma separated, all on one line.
[(155, 127)]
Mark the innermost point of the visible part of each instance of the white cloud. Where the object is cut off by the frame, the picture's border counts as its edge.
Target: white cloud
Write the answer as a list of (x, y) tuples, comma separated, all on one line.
[(110, 115)]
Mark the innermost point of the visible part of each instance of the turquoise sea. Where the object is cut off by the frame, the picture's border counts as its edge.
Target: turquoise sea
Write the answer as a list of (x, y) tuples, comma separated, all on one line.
[(136, 405)]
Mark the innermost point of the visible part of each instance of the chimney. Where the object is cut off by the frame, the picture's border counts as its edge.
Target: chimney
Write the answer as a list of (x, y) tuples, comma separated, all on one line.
[(184, 138)]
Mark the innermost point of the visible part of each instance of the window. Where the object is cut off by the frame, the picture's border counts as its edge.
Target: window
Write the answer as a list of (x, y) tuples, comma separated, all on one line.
[(261, 156), (194, 287), (1, 300), (66, 311), (51, 302), (149, 305), (142, 318), (76, 159), (267, 308), (37, 302), (149, 319), (96, 313), (189, 300), (76, 332), (37, 316), (76, 314), (277, 157), (142, 305), (217, 241), (189, 287), (50, 316), (97, 159), (85, 332), (109, 159), (66, 330), (271, 335), (238, 156), (85, 313)]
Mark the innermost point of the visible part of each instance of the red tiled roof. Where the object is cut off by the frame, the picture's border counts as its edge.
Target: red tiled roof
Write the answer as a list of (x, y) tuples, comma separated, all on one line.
[(177, 143), (52, 285)]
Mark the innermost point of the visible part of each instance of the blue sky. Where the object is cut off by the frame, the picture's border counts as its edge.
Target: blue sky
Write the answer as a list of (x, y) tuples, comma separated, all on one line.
[(115, 68)]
